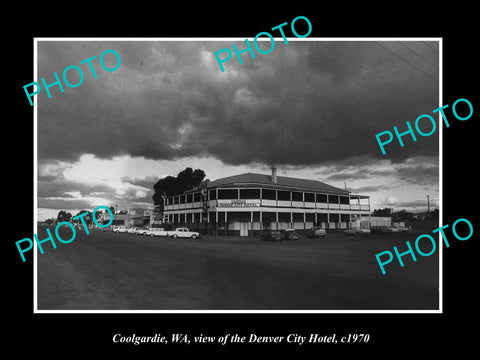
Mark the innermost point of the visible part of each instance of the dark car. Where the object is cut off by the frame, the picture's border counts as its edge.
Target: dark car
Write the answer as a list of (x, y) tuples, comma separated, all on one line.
[(269, 235), (316, 232), (290, 234)]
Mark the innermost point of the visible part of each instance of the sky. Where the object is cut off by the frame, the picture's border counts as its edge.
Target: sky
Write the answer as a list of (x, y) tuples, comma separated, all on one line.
[(311, 108)]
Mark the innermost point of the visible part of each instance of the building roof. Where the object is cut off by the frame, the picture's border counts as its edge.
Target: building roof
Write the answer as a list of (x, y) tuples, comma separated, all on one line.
[(282, 182)]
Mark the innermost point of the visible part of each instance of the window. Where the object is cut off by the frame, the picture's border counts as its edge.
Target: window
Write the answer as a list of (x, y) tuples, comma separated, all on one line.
[(283, 195), (189, 198), (249, 193), (176, 200), (182, 199), (321, 198), (309, 197), (213, 194), (268, 194), (333, 199), (226, 194), (297, 196), (297, 217), (344, 200), (284, 217), (196, 197)]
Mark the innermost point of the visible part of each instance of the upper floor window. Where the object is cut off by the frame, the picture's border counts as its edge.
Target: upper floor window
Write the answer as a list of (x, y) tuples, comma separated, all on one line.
[(344, 200), (283, 195), (226, 194), (321, 198), (297, 196), (333, 199), (196, 197), (309, 197), (268, 194), (212, 194), (249, 193)]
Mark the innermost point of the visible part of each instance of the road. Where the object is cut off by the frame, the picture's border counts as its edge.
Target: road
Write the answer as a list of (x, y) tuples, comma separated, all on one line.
[(108, 271)]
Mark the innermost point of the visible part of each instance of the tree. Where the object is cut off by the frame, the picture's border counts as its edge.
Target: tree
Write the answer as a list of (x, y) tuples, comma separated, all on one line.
[(87, 218), (171, 185), (386, 212), (61, 216), (403, 215)]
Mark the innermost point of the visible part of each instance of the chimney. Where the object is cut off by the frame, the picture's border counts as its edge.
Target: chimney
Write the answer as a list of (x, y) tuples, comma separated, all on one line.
[(274, 174)]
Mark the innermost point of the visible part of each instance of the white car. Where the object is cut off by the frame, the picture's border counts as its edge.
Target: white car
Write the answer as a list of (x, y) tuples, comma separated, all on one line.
[(396, 229), (183, 233), (154, 232), (133, 230), (119, 229)]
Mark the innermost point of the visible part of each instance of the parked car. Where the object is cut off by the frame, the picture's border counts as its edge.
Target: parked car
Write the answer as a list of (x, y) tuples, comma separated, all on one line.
[(316, 232), (290, 234), (133, 230), (183, 233), (358, 231), (119, 229), (154, 232), (364, 231), (396, 229), (269, 235), (402, 228)]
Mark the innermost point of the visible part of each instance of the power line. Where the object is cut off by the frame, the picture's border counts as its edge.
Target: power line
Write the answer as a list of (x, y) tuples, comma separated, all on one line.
[(407, 62), (419, 55), (431, 47), (373, 72)]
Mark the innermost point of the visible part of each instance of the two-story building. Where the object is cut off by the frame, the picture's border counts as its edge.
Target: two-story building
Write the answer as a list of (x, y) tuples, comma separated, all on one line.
[(247, 203)]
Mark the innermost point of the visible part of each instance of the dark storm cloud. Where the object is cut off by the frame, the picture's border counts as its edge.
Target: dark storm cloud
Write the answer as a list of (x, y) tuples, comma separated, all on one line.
[(61, 188), (305, 103), (420, 171)]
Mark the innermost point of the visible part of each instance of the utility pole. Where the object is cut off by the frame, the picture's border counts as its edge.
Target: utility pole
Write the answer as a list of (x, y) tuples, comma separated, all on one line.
[(428, 206)]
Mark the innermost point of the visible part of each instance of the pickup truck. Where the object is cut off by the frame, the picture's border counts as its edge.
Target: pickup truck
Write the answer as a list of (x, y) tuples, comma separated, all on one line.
[(183, 233)]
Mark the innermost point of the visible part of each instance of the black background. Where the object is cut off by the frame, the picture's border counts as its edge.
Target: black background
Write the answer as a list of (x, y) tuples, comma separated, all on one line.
[(60, 335)]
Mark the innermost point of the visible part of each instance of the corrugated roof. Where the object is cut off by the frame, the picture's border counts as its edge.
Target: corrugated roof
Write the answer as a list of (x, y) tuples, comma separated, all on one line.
[(282, 181)]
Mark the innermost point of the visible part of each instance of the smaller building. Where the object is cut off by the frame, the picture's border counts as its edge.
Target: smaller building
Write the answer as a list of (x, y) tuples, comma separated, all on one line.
[(134, 217), (374, 222)]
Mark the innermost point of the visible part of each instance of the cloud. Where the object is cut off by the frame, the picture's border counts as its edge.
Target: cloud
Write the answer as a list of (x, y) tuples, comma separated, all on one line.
[(421, 170), (66, 188), (312, 108), (145, 182), (304, 104)]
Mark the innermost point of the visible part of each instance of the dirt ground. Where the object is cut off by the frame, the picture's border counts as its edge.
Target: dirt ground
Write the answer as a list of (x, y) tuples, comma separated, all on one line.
[(108, 271)]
